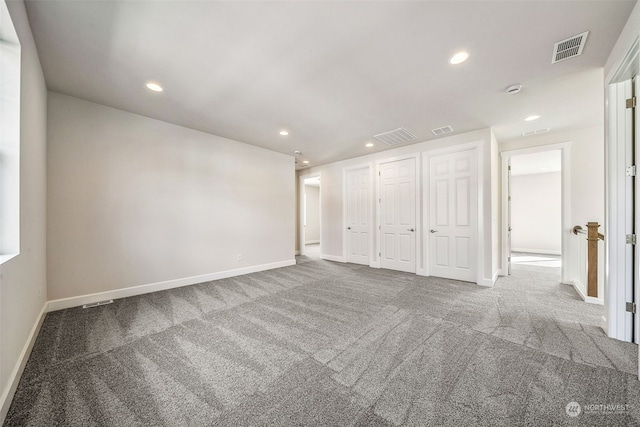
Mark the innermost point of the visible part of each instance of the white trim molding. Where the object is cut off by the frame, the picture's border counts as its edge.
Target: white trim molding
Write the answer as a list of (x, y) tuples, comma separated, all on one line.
[(536, 251), (590, 300), (489, 283), (333, 258), (16, 374), (618, 221), (63, 303)]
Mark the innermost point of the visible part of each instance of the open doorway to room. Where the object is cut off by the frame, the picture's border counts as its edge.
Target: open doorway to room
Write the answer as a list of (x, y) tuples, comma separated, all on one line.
[(310, 236), (535, 212)]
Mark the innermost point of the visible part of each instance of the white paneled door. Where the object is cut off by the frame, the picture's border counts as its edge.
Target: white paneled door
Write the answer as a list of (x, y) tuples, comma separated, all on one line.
[(358, 206), (453, 215), (398, 215)]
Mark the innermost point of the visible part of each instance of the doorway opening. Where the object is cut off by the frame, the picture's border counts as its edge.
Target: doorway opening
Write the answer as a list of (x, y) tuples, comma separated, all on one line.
[(539, 225), (310, 218), (535, 223)]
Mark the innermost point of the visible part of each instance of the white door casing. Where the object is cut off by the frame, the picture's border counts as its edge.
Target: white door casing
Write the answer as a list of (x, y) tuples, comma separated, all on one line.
[(397, 186), (565, 150), (453, 219), (358, 205), (509, 215), (636, 228)]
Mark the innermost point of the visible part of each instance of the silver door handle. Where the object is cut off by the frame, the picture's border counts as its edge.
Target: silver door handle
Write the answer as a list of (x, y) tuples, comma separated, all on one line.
[(410, 229), (433, 231)]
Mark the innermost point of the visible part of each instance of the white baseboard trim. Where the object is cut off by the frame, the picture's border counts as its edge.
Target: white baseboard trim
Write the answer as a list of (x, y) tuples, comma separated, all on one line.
[(14, 378), (311, 242), (489, 283), (332, 258), (536, 251), (421, 272), (591, 300), (374, 264), (61, 304)]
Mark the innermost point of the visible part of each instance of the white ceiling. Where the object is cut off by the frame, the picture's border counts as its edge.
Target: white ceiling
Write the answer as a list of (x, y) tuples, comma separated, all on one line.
[(534, 163), (331, 73)]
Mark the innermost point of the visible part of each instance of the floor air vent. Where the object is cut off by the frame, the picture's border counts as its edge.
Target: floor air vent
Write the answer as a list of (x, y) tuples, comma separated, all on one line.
[(569, 48), (442, 130), (98, 304), (394, 137)]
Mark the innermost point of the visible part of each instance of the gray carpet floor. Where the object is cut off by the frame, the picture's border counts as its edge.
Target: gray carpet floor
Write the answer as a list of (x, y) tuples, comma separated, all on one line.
[(329, 344)]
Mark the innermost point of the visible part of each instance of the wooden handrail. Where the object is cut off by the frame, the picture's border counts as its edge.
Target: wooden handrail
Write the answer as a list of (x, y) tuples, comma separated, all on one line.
[(592, 255), (579, 230)]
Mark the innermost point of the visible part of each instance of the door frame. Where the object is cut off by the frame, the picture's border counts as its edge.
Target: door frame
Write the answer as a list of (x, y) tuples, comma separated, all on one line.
[(616, 274), (378, 225), (373, 258), (426, 237), (565, 203), (301, 179)]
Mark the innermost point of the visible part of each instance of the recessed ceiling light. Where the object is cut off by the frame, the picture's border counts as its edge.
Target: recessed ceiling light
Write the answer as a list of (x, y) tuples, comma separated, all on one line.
[(297, 152), (531, 118), (154, 87), (369, 144), (284, 133), (306, 162), (513, 89), (459, 58)]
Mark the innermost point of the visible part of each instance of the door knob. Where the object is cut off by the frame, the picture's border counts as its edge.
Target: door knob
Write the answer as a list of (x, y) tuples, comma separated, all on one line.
[(433, 231), (348, 228), (410, 229)]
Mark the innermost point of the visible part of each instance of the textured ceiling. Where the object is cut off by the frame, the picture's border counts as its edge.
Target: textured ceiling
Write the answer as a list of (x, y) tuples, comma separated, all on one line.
[(332, 73)]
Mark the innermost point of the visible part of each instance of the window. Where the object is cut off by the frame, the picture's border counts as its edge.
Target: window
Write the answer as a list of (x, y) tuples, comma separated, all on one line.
[(9, 137)]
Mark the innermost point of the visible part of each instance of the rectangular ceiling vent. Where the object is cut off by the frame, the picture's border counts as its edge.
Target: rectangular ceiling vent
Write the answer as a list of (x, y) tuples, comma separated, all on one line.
[(395, 137), (442, 130), (569, 48), (535, 132)]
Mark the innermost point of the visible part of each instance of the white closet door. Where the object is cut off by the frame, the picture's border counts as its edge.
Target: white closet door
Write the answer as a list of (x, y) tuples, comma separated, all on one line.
[(358, 206), (453, 216), (398, 215)]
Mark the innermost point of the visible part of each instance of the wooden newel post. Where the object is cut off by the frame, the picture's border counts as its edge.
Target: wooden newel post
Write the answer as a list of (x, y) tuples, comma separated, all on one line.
[(592, 259)]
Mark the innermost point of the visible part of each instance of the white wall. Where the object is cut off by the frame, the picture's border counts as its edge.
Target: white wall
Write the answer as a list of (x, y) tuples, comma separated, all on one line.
[(135, 201), (536, 213), (23, 278), (587, 186), (312, 226), (332, 196)]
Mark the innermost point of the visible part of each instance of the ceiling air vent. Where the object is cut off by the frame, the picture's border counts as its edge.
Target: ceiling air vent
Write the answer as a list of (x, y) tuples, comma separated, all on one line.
[(569, 48), (442, 130), (535, 132), (394, 137)]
